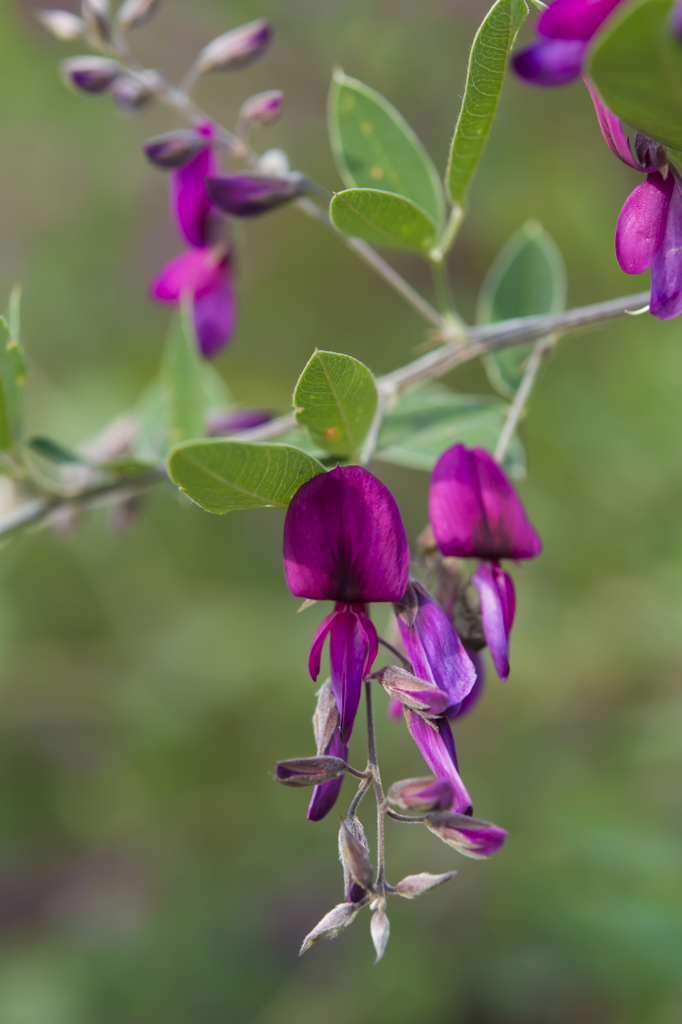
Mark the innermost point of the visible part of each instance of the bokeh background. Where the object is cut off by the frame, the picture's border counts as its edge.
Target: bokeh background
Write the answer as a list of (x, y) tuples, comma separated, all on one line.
[(150, 871)]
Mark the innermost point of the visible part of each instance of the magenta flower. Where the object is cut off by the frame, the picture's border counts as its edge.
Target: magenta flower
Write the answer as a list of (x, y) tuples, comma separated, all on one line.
[(476, 513), (566, 28), (344, 541), (469, 836), (247, 195), (437, 746), (204, 272)]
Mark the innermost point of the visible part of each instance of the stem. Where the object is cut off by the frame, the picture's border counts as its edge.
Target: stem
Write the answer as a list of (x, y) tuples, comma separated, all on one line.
[(392, 277), (446, 241), (378, 789), (373, 432), (446, 302), (364, 786), (404, 817), (535, 359)]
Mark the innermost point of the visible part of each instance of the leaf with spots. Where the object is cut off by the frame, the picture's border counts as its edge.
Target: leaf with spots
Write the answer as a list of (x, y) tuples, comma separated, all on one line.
[(485, 77), (225, 476), (336, 399), (383, 218), (374, 147)]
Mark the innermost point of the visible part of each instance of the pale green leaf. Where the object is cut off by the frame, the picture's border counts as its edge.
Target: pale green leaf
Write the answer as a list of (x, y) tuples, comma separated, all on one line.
[(12, 380), (336, 399), (383, 218), (224, 476), (183, 379)]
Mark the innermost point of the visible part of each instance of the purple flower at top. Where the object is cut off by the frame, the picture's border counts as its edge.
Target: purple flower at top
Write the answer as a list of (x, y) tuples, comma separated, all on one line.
[(476, 513), (344, 541), (566, 28)]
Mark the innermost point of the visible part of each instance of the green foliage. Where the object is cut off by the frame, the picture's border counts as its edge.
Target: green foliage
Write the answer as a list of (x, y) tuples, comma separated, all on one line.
[(485, 78), (636, 64), (382, 218), (336, 399), (12, 377), (182, 376), (224, 476), (429, 420), (528, 276), (374, 146), (55, 452)]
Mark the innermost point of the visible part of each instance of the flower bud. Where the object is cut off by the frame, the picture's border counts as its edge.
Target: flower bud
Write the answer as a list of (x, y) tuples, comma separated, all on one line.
[(97, 18), (173, 149), (380, 930), (62, 24), (236, 49), (331, 924), (422, 794), (273, 162), (416, 885), (309, 771), (326, 716), (130, 94), (134, 13), (469, 836), (355, 857), (429, 700), (247, 195), (263, 108), (91, 74)]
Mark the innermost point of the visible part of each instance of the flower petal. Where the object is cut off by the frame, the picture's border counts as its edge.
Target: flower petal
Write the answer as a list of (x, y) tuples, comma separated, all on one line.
[(475, 511), (498, 604), (315, 656), (666, 269), (435, 649), (247, 195), (325, 796), (193, 272), (189, 200), (611, 128), (348, 657), (642, 223), (548, 62), (476, 692), (438, 750), (574, 19), (215, 313), (344, 539)]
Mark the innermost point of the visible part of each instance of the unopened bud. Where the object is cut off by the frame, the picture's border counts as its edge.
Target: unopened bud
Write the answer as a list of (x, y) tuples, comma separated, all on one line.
[(134, 13), (309, 771), (422, 794), (62, 24), (231, 421), (424, 697), (91, 74), (97, 18), (273, 163), (130, 94), (469, 836), (651, 155), (236, 49), (247, 195), (173, 149), (331, 924), (416, 885), (354, 856), (326, 716), (380, 931), (262, 109)]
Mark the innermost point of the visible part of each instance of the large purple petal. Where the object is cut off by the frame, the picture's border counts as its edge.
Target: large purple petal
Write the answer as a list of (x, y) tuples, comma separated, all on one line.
[(344, 539), (666, 269), (642, 223), (548, 62), (574, 19), (325, 796), (189, 200), (435, 649), (348, 656), (247, 195), (193, 272), (476, 692), (475, 511), (498, 604), (215, 312), (438, 750), (611, 128)]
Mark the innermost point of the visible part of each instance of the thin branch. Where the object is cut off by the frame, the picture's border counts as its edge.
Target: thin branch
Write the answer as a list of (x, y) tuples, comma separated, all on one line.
[(542, 348), (373, 764)]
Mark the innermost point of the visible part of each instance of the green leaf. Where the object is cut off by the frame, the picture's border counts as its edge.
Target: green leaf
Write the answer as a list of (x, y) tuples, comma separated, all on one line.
[(636, 64), (528, 276), (485, 78), (182, 373), (336, 399), (53, 451), (12, 379), (429, 420), (223, 476), (382, 218), (374, 146)]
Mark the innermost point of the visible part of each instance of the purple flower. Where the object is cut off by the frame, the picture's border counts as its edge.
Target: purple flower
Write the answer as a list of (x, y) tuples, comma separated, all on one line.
[(344, 541), (189, 200), (325, 796), (566, 28), (233, 421), (476, 691), (469, 836), (90, 74), (476, 513), (437, 747), (247, 195)]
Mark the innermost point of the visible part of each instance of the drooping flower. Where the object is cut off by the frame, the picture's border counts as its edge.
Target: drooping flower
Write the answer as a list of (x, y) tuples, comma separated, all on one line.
[(437, 746), (326, 794), (344, 541), (248, 195), (566, 28), (476, 513), (469, 836)]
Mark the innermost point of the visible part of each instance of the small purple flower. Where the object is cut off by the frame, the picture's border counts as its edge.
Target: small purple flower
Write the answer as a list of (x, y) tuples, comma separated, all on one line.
[(476, 513), (188, 197), (437, 747), (262, 109), (247, 195), (344, 541), (469, 836), (566, 28), (91, 74)]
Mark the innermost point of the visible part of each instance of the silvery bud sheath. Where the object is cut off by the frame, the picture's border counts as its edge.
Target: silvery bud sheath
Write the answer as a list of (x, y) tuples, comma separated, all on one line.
[(262, 109), (309, 771), (469, 836), (331, 924), (134, 13), (355, 857), (416, 885), (422, 794), (413, 693), (62, 24), (90, 74), (380, 930), (96, 15), (236, 49), (173, 149)]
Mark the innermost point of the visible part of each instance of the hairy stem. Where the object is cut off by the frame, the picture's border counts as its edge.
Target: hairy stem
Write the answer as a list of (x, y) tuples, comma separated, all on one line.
[(362, 789), (378, 790)]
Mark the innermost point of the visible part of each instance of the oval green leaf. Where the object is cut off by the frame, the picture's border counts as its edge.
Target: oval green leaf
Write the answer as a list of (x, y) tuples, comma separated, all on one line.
[(636, 64), (336, 399), (224, 476), (374, 146), (485, 78), (528, 276), (383, 218), (183, 377)]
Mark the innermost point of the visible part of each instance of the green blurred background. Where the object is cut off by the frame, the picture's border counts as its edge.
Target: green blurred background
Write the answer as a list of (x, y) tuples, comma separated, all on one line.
[(150, 871)]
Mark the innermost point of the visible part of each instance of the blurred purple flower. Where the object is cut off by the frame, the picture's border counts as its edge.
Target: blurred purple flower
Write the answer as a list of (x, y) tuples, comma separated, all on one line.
[(344, 541), (247, 195), (476, 691), (233, 421), (437, 746)]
